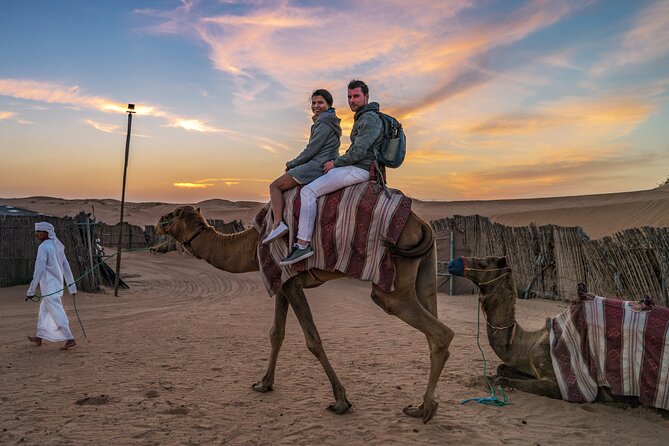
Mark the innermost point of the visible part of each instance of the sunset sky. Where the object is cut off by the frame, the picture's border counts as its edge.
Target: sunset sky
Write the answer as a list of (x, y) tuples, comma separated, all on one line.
[(499, 99)]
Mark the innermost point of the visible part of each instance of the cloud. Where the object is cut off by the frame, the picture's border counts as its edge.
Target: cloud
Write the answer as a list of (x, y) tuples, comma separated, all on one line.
[(74, 96), (418, 54), (5, 115), (430, 155), (647, 40), (195, 125), (560, 172), (618, 115), (192, 185), (107, 128), (209, 182)]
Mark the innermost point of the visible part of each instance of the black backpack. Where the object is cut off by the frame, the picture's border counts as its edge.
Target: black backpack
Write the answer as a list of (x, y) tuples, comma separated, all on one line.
[(394, 145)]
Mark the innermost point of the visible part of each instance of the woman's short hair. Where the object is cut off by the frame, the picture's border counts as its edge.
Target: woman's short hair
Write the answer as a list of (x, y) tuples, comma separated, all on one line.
[(325, 94)]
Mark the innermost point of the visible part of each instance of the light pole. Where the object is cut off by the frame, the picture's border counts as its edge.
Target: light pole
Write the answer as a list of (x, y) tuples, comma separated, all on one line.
[(130, 111)]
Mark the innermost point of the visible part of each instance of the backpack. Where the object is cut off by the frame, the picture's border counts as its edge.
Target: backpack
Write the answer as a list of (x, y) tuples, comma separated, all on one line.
[(394, 145)]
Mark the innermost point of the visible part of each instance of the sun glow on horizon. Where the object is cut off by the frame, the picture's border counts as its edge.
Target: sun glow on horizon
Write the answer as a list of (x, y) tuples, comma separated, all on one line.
[(498, 99)]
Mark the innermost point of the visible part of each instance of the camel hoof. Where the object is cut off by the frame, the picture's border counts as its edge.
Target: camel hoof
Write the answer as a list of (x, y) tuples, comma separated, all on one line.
[(261, 388), (420, 412), (340, 408)]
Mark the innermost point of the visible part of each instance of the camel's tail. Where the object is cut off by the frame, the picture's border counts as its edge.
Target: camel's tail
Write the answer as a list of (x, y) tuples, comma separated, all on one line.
[(419, 250)]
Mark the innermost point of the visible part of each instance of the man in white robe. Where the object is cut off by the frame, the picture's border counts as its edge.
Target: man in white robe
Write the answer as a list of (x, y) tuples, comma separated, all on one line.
[(51, 269)]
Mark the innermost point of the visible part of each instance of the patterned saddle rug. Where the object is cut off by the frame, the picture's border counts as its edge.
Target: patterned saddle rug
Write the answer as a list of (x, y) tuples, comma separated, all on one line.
[(351, 225), (622, 345)]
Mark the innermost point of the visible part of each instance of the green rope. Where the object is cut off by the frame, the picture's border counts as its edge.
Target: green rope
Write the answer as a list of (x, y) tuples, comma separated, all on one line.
[(491, 400)]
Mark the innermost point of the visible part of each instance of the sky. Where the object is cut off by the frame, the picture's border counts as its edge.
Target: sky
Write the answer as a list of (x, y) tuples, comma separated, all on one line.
[(499, 99)]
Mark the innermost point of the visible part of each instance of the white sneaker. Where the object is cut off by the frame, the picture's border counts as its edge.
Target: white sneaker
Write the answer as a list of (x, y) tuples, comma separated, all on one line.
[(276, 233)]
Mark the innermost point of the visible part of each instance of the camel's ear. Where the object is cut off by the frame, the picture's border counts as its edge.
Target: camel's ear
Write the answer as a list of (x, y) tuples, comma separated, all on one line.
[(198, 210)]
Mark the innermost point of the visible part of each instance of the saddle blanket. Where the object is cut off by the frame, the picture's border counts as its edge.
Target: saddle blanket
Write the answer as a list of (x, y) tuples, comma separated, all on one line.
[(351, 225), (599, 342)]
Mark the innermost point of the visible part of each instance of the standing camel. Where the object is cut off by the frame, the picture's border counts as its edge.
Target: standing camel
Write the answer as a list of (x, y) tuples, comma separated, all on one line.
[(414, 299)]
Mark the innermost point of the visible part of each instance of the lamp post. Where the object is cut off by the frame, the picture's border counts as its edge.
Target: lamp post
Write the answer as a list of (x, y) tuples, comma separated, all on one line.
[(130, 111)]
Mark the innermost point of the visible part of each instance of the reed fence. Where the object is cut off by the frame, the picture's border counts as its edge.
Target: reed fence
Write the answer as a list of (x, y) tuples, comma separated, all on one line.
[(18, 250), (549, 261)]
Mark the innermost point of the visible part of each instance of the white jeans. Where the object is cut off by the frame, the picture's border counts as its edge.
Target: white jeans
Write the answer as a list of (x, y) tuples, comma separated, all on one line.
[(335, 179)]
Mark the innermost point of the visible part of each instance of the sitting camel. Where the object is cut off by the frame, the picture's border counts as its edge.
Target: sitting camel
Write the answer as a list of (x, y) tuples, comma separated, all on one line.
[(413, 300), (526, 355)]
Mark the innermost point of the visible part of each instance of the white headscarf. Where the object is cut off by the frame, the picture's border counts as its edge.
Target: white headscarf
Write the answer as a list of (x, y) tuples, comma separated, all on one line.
[(50, 230)]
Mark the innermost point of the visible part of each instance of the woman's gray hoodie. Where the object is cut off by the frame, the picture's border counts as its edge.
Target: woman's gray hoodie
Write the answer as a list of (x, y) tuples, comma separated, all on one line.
[(323, 146)]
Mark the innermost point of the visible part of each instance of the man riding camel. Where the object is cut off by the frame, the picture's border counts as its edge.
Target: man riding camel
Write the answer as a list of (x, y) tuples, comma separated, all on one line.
[(352, 167)]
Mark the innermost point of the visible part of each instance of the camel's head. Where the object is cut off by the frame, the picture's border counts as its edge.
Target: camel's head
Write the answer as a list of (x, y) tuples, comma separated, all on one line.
[(478, 270), (181, 222)]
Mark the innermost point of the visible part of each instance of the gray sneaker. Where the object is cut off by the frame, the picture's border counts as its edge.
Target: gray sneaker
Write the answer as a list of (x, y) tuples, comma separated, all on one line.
[(297, 254)]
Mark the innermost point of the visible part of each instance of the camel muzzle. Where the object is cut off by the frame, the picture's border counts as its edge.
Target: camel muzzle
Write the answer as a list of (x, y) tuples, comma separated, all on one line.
[(456, 267)]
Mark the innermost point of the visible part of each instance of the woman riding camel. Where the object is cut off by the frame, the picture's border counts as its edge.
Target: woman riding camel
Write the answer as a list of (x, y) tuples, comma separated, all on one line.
[(323, 146)]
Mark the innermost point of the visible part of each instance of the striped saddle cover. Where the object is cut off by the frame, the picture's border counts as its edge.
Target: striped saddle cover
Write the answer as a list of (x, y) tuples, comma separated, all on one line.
[(622, 345), (351, 225)]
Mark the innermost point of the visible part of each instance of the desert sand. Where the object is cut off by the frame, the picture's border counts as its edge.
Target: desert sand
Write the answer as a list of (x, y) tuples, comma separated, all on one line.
[(171, 360)]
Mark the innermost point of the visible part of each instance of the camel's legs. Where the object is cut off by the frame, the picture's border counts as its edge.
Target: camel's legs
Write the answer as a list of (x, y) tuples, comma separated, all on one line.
[(426, 285), (405, 305), (276, 336), (297, 299)]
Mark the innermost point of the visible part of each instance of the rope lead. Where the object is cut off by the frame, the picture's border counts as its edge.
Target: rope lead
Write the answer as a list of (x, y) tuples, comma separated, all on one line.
[(492, 400)]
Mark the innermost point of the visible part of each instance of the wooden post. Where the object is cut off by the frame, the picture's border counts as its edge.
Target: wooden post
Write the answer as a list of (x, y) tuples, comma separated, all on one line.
[(131, 110), (90, 251)]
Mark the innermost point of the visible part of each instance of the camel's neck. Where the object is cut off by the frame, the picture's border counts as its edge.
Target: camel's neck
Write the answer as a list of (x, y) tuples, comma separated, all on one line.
[(235, 253), (509, 341)]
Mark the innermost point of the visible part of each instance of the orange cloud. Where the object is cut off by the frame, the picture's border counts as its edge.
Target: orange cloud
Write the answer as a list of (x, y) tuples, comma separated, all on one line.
[(209, 182), (6, 115), (192, 185), (74, 96), (428, 156), (619, 114)]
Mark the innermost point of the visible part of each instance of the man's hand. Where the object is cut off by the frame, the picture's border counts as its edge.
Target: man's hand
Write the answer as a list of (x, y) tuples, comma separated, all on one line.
[(29, 297), (328, 166)]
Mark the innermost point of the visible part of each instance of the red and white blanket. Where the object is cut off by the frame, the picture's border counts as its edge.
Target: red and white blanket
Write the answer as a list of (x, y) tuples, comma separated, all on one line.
[(350, 227), (611, 343)]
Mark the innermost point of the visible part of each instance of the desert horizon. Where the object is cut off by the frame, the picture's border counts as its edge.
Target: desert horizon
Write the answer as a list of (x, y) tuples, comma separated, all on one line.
[(599, 215)]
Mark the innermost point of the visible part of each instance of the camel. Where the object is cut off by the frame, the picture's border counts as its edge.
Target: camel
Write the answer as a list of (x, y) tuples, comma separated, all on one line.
[(414, 300), (526, 357)]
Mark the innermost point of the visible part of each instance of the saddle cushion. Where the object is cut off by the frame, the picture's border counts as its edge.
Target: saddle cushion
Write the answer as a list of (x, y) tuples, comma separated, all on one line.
[(351, 225), (601, 342)]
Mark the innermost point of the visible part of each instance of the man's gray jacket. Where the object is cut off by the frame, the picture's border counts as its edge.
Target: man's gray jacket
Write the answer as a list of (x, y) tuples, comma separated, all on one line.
[(365, 138)]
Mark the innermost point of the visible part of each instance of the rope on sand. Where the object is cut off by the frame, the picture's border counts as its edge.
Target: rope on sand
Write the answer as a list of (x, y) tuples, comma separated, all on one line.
[(492, 400)]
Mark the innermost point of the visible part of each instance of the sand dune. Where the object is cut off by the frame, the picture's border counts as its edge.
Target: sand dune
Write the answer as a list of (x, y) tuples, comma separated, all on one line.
[(598, 215)]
